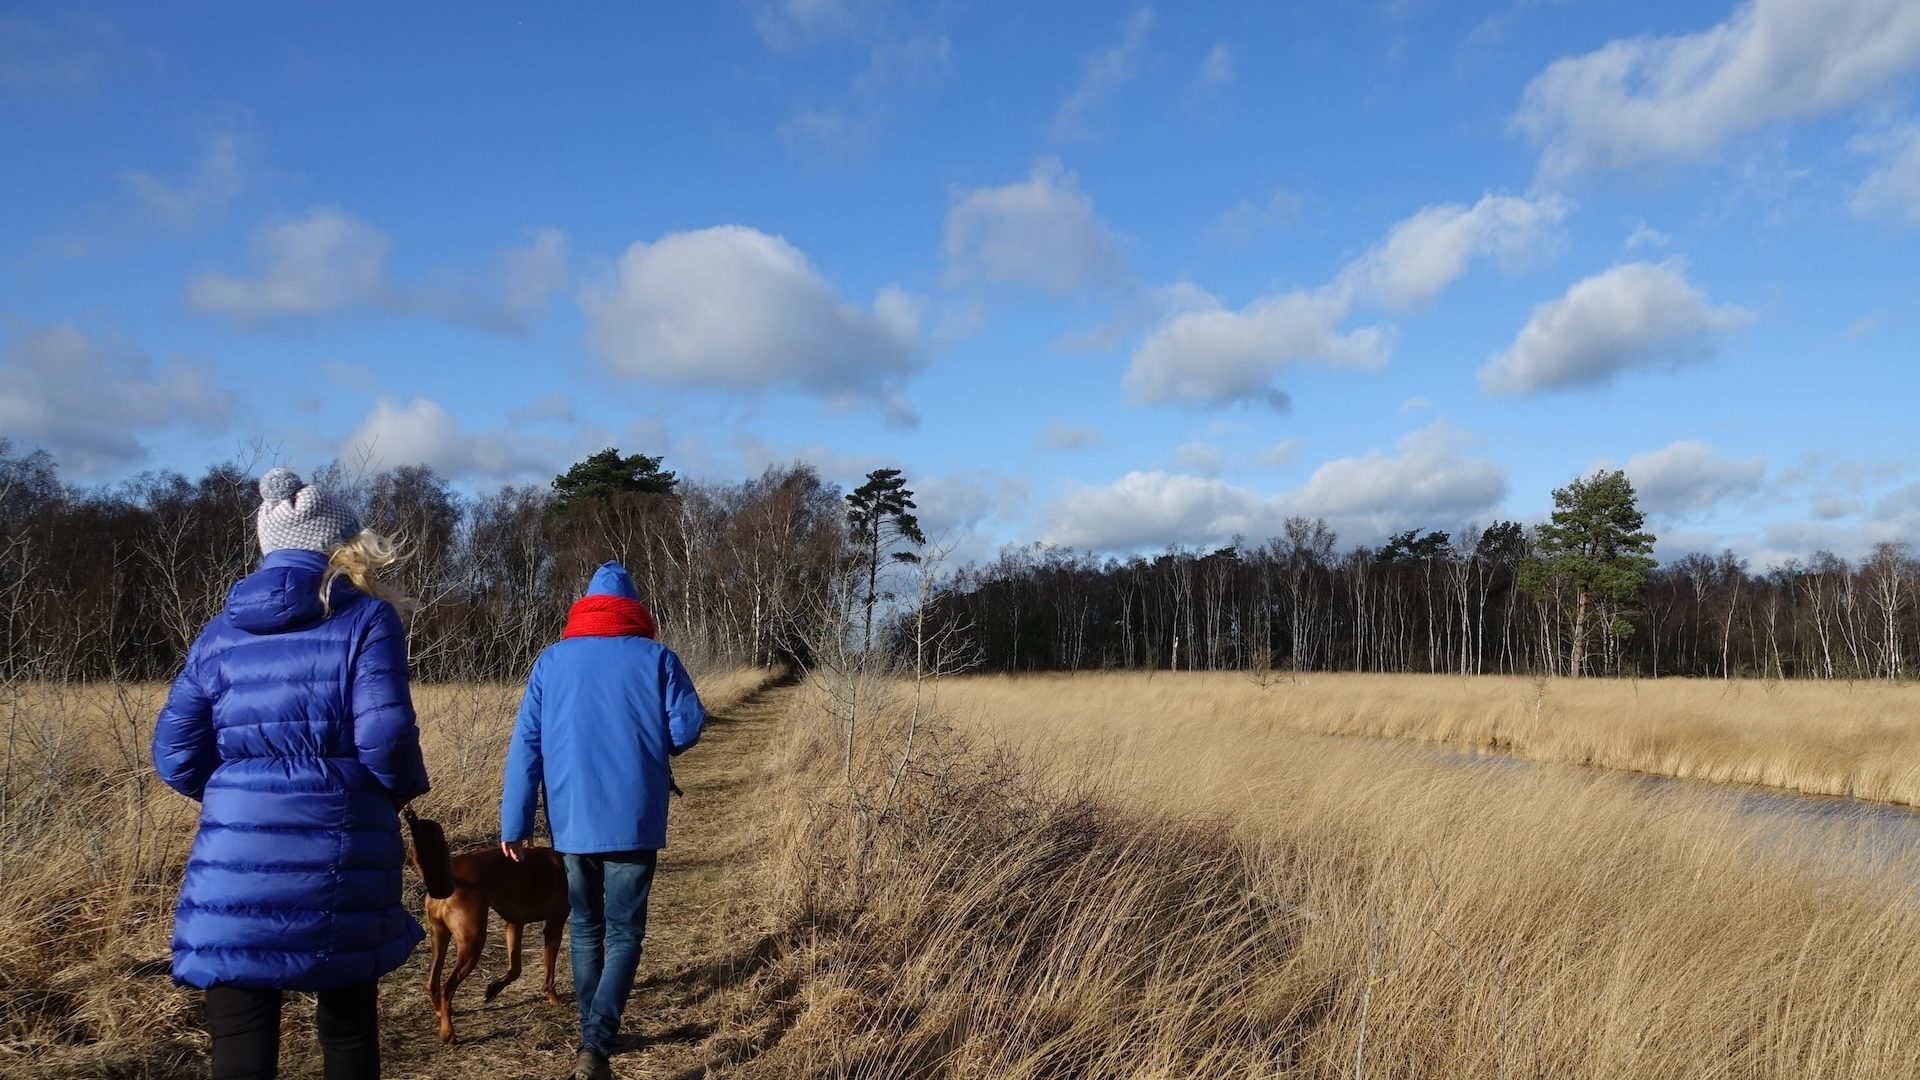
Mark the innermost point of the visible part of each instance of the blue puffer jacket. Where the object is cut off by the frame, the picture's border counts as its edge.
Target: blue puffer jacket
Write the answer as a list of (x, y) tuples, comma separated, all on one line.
[(295, 732), (600, 717)]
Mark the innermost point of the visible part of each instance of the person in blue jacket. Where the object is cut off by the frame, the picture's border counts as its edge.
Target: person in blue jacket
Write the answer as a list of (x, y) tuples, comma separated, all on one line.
[(292, 726), (604, 709)]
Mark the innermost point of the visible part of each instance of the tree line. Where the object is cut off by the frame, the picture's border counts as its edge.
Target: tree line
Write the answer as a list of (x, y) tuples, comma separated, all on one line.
[(1577, 595), (114, 581)]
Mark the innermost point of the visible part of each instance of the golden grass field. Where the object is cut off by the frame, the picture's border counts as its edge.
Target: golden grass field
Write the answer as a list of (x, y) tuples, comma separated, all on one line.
[(1108, 875)]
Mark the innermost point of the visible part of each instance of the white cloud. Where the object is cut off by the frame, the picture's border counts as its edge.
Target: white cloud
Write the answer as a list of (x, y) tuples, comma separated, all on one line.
[(1061, 436), (1204, 353), (1427, 481), (1654, 99), (1217, 69), (1892, 190), (733, 307), (1215, 356), (1430, 250), (1689, 477), (215, 181), (325, 261), (1155, 509), (1107, 70), (1646, 236), (1866, 324), (1635, 316), (422, 432), (1199, 457), (1040, 232), (328, 261), (90, 403)]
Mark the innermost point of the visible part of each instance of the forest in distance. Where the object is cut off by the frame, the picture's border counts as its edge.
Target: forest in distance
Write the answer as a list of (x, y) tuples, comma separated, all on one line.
[(113, 581)]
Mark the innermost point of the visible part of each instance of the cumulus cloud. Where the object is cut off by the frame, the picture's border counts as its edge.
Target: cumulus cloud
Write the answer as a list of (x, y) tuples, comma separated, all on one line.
[(1204, 353), (1040, 232), (734, 307), (420, 431), (1654, 99), (1154, 509), (324, 261), (1892, 190), (90, 403), (1062, 436), (1107, 70), (328, 261), (1689, 477), (1646, 236), (1430, 250), (1216, 356), (1428, 479), (1636, 316)]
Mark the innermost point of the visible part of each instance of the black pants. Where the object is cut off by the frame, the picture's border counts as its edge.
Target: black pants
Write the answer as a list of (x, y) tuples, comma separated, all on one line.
[(245, 1025)]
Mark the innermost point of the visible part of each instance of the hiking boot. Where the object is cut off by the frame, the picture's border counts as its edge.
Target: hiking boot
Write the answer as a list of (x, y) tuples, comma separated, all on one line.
[(590, 1065)]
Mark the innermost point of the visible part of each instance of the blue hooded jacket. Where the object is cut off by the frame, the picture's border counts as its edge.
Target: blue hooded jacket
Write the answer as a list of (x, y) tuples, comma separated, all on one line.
[(295, 732), (600, 718)]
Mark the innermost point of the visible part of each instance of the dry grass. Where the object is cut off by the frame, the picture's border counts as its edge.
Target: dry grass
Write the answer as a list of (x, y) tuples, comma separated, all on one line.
[(1855, 739), (1149, 884), (92, 847), (1103, 877)]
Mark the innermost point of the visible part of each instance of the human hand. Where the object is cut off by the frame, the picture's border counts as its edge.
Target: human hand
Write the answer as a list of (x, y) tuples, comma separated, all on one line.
[(513, 849)]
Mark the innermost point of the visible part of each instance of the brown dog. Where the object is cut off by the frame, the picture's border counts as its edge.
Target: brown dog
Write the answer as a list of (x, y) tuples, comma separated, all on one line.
[(531, 891)]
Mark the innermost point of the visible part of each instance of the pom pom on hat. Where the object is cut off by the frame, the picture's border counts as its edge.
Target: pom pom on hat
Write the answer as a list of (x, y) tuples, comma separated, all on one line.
[(295, 516)]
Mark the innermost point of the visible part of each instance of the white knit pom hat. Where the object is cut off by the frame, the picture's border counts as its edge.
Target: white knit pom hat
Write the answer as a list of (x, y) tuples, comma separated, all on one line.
[(295, 516)]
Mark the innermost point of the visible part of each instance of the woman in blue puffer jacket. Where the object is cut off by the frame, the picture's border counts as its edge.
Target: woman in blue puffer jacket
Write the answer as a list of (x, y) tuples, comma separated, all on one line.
[(293, 727)]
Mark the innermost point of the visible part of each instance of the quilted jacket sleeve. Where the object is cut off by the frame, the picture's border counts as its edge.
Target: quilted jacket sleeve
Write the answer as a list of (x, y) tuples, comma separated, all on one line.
[(525, 770), (384, 733), (185, 750)]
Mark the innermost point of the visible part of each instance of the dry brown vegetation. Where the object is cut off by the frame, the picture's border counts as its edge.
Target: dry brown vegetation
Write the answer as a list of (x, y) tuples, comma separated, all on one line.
[(1859, 739), (1089, 876), (1149, 884), (92, 847)]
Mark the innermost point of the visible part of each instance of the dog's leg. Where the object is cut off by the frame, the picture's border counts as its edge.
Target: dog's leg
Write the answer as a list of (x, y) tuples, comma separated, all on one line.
[(550, 953), (469, 929), (437, 937), (513, 960)]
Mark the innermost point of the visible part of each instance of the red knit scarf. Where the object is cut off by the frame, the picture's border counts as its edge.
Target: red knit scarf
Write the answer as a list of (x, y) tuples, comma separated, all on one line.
[(608, 616)]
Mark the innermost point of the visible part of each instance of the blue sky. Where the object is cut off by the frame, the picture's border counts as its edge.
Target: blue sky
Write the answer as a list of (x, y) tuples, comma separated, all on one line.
[(1105, 275)]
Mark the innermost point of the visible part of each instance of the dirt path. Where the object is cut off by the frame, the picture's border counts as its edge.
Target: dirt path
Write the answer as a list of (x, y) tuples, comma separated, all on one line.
[(689, 1014)]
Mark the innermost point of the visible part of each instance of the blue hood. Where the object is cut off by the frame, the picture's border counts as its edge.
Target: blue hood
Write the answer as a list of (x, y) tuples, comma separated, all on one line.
[(284, 594), (612, 580)]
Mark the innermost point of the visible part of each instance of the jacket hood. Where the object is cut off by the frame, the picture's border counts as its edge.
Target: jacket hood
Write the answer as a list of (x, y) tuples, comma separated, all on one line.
[(612, 580), (284, 594)]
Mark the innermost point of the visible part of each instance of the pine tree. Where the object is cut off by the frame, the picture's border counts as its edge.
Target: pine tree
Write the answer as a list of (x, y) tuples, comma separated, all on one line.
[(609, 473), (1597, 549), (879, 513)]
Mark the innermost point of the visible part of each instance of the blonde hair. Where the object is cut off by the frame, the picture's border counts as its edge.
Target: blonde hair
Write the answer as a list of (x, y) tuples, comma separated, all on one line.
[(360, 561)]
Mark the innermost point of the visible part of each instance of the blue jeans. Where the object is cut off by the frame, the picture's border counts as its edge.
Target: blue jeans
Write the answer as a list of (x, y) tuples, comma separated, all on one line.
[(608, 893)]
